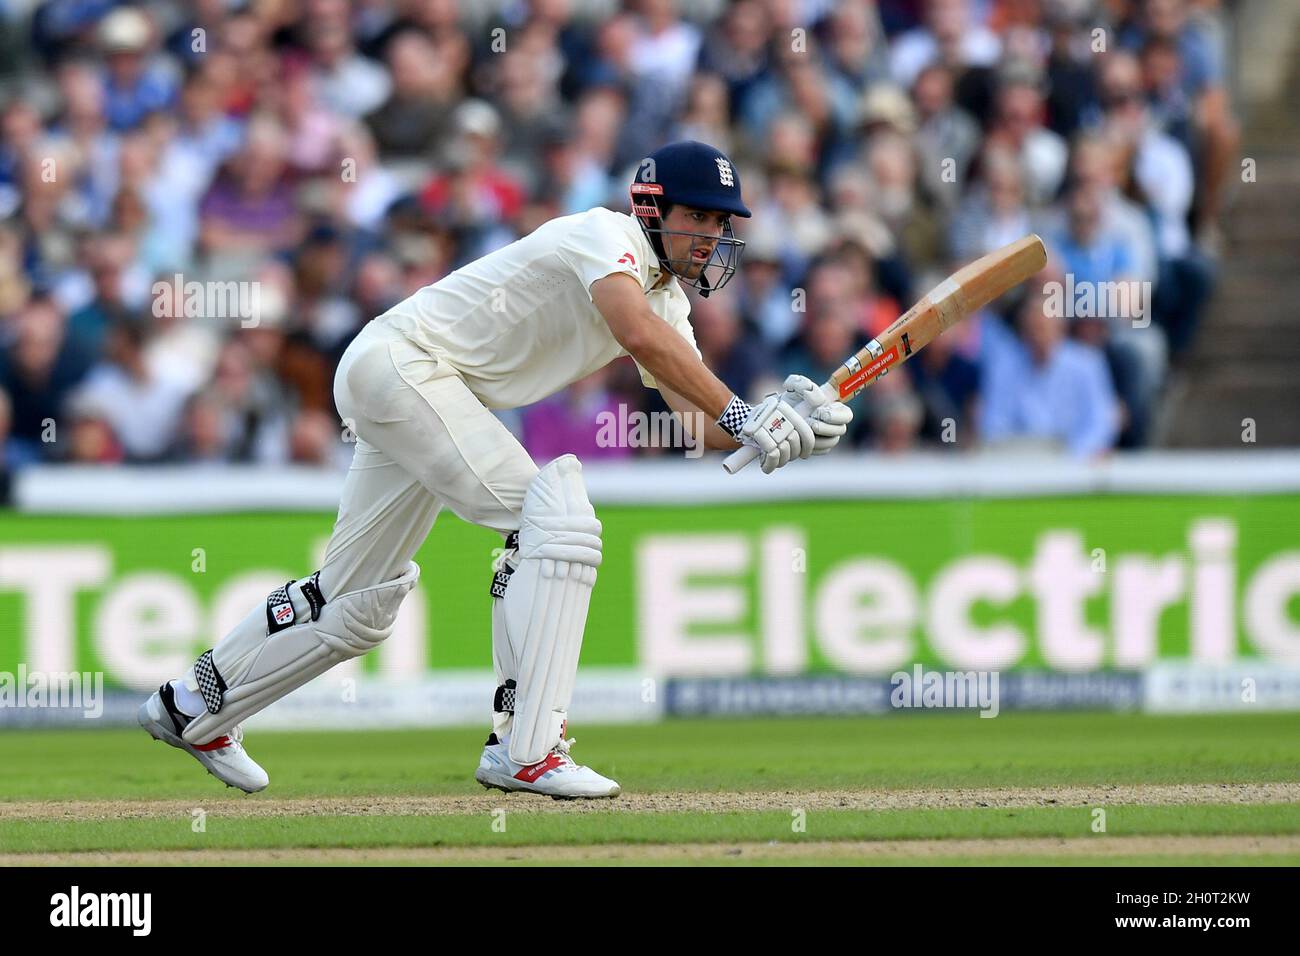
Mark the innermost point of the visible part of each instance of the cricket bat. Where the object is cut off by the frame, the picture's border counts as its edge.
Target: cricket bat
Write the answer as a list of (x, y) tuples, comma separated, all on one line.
[(967, 290)]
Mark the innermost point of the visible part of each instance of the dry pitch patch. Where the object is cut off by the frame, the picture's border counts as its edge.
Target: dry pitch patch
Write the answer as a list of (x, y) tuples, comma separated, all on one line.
[(693, 801), (1092, 850)]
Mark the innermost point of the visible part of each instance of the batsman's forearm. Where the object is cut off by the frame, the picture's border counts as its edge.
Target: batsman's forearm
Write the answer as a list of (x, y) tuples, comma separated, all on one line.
[(672, 362)]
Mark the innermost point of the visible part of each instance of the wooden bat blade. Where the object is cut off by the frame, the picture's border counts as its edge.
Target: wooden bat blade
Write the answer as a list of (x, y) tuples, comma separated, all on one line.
[(967, 290)]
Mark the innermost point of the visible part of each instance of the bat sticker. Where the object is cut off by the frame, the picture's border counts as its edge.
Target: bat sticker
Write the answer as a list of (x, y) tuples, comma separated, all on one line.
[(907, 345), (877, 368)]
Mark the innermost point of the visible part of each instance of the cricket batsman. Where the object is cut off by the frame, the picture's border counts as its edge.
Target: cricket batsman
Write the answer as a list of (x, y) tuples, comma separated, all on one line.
[(416, 386)]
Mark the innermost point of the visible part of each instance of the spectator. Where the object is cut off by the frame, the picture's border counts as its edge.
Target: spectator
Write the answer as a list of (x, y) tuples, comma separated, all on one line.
[(829, 335), (1102, 266), (799, 84), (1041, 388), (81, 133), (316, 439), (428, 83), (792, 209), (664, 52), (766, 299), (1158, 166), (1171, 107), (346, 82), (475, 196), (134, 86), (914, 228), (527, 95), (109, 257), (1201, 73), (141, 407), (898, 415), (996, 212), (377, 287), (242, 65), (738, 52), (204, 139), (365, 188), (706, 116), (205, 436), (179, 347), (249, 211), (323, 320), (1071, 82), (14, 286), (1095, 164), (1018, 126), (849, 259), (52, 214), (947, 138), (156, 204), (1160, 172), (946, 383), (855, 44), (253, 406), (948, 37), (91, 441), (40, 365), (572, 177), (311, 129), (612, 65), (597, 121)]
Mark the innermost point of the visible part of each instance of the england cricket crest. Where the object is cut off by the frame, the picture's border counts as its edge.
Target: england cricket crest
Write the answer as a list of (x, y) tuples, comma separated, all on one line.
[(724, 172)]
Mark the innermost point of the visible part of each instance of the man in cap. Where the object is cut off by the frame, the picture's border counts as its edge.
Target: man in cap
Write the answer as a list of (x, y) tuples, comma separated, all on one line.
[(416, 387)]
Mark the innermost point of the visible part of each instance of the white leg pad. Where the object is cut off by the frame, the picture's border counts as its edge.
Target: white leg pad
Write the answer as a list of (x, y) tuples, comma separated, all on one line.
[(544, 609), (250, 669)]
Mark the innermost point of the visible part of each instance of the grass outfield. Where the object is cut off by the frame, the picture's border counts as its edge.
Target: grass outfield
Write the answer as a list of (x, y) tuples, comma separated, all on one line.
[(937, 788)]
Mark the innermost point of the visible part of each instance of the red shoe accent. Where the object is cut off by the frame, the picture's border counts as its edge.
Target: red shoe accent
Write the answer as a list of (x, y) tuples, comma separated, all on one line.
[(531, 773), (222, 741)]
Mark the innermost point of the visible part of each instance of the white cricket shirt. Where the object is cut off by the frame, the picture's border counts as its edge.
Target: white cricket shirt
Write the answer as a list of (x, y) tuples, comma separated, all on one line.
[(519, 323)]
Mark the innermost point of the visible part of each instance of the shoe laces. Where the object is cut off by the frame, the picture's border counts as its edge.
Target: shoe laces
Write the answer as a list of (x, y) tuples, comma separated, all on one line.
[(562, 748), (236, 737)]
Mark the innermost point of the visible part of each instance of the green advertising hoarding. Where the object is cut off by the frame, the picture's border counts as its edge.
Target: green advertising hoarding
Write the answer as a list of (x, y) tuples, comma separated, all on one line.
[(777, 588)]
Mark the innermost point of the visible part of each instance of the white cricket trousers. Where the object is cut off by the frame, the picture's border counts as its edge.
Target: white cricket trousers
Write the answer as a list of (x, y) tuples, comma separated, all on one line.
[(423, 441)]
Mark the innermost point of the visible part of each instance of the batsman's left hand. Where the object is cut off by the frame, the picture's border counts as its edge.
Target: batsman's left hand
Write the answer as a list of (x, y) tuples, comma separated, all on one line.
[(828, 420)]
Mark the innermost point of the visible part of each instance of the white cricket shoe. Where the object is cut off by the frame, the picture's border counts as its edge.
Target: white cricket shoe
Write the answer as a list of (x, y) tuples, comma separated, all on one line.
[(224, 757), (555, 775)]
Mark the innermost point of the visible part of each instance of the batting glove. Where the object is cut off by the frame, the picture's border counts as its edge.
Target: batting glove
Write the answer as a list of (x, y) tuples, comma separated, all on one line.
[(773, 427), (828, 420)]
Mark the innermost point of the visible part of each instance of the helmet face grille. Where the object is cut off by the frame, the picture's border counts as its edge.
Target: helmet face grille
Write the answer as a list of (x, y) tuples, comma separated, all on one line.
[(722, 262), (719, 268)]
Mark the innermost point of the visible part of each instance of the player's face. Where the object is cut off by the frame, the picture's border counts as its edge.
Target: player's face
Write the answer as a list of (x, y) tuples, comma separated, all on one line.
[(697, 249)]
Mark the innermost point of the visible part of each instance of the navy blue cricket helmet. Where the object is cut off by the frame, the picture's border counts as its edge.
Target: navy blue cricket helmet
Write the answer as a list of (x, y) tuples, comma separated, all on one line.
[(688, 173)]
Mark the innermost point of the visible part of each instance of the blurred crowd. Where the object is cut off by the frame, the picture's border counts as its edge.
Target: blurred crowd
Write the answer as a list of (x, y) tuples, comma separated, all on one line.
[(335, 156)]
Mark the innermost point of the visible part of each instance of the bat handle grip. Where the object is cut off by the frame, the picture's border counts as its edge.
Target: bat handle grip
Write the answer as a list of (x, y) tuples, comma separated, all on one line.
[(743, 455), (739, 458)]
